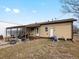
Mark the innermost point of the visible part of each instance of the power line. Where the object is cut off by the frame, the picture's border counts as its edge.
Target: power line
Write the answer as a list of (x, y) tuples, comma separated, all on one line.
[(61, 16), (9, 22)]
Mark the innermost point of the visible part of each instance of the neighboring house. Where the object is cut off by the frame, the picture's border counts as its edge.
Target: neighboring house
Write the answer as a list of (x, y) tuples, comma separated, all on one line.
[(60, 28), (3, 26)]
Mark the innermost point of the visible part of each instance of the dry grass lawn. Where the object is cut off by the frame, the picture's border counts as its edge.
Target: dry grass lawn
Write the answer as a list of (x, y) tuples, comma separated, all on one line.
[(42, 49)]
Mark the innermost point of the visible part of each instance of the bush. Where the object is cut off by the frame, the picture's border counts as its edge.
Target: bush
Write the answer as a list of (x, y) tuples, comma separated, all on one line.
[(69, 39), (54, 38), (61, 39), (13, 41)]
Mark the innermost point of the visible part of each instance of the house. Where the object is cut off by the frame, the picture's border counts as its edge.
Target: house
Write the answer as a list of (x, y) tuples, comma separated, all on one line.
[(60, 28)]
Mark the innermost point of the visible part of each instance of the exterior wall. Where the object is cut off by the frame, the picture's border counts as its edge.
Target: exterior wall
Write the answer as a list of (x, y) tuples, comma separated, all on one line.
[(60, 30), (33, 32)]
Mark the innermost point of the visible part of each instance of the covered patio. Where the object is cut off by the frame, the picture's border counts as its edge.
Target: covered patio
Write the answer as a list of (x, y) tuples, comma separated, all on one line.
[(20, 32)]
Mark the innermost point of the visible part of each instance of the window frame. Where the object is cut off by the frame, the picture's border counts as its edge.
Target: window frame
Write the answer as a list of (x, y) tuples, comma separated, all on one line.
[(46, 29)]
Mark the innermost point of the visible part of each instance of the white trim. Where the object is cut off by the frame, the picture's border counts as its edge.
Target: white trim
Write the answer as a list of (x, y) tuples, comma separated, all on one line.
[(51, 32)]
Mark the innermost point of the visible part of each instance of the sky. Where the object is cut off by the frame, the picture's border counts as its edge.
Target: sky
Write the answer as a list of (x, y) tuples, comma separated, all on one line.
[(31, 11)]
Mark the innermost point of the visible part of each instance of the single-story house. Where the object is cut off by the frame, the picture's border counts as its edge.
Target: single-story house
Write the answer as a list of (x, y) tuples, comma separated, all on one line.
[(60, 28)]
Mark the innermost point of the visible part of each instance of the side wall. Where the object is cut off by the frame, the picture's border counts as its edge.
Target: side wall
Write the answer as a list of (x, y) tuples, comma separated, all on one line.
[(60, 30), (33, 32)]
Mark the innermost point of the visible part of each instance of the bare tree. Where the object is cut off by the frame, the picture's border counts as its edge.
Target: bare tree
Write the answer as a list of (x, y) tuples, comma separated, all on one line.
[(75, 29), (71, 6)]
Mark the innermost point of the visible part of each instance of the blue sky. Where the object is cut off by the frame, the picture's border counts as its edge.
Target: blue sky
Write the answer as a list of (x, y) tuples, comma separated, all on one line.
[(30, 11)]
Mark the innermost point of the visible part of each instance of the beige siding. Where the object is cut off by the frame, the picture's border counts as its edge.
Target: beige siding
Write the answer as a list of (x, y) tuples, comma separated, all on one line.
[(33, 32), (60, 30)]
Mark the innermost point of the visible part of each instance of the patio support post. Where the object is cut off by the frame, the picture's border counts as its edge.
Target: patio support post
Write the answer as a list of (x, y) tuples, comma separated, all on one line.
[(28, 34), (5, 35), (17, 33), (25, 33), (10, 32), (6, 32)]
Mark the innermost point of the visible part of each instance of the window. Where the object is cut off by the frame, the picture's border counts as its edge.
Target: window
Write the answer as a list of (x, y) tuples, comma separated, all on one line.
[(46, 29), (32, 29)]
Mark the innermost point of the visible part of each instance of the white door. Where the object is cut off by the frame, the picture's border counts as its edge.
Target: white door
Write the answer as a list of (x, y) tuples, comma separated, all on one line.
[(37, 33), (51, 32)]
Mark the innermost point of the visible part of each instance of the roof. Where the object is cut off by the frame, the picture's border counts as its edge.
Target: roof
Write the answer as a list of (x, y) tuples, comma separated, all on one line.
[(44, 23)]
